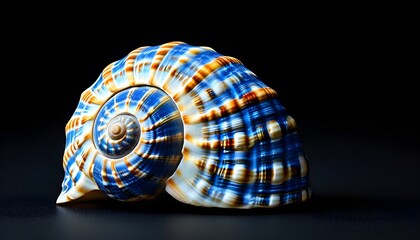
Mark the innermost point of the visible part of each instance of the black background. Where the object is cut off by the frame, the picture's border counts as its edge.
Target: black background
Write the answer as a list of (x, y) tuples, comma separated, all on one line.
[(345, 77)]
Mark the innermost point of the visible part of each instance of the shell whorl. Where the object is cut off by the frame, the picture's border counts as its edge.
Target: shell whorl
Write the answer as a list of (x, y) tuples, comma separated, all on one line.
[(189, 120), (118, 136)]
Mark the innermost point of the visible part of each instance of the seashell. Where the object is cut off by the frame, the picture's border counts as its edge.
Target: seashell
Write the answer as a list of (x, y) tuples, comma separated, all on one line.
[(187, 120)]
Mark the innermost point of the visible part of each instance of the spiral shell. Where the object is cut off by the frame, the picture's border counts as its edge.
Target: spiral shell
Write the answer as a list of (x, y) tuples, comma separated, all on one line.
[(189, 120)]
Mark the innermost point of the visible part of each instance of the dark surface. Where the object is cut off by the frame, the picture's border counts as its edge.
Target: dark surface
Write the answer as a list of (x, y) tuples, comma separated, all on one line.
[(343, 78)]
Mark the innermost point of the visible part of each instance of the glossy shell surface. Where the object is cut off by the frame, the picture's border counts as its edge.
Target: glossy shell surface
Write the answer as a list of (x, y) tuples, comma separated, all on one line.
[(187, 120)]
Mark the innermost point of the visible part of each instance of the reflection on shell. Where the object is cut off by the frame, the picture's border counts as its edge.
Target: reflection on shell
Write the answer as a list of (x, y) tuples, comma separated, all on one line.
[(187, 120)]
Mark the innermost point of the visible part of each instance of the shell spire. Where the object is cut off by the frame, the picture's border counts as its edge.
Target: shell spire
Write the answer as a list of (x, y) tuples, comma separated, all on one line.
[(187, 120)]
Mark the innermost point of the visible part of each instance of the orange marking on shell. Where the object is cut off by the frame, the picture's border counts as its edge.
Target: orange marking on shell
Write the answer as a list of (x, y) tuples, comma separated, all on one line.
[(88, 97), (186, 153), (206, 70), (133, 169), (227, 144), (117, 178), (77, 121), (198, 103), (160, 54), (85, 154), (90, 170), (72, 148), (201, 164), (138, 67), (246, 176), (258, 95), (174, 72), (228, 108), (174, 187), (157, 59), (108, 79), (103, 172), (210, 93), (129, 66), (202, 142), (128, 100), (211, 169)]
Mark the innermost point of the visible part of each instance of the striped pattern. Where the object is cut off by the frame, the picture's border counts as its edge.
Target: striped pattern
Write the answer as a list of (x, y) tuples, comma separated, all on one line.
[(240, 148), (136, 166)]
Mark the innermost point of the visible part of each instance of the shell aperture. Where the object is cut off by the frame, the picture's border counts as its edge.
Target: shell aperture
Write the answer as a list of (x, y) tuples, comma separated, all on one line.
[(187, 120)]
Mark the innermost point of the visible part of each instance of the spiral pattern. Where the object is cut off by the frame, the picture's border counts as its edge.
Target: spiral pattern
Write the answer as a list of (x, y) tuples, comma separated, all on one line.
[(116, 137), (130, 159), (189, 120)]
